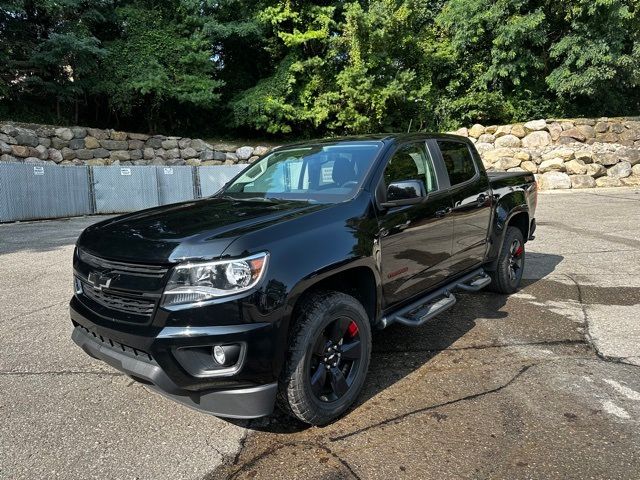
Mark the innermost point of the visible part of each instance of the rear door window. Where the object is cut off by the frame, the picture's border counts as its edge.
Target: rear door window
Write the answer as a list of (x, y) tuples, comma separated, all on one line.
[(458, 160)]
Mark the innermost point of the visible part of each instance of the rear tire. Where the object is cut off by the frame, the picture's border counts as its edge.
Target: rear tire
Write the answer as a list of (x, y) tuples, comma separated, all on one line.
[(328, 358), (508, 274)]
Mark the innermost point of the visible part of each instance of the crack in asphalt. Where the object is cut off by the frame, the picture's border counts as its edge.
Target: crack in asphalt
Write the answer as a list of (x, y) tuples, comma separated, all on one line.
[(243, 442), (484, 347), (31, 312), (613, 196), (588, 338), (624, 250), (59, 372), (324, 447), (246, 466), (607, 237), (341, 460), (583, 306), (279, 446), (401, 417)]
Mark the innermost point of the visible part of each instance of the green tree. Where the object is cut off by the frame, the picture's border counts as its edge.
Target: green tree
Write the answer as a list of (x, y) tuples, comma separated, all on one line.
[(299, 36), (343, 70), (48, 53), (159, 64), (515, 59), (302, 68), (597, 59), (386, 66)]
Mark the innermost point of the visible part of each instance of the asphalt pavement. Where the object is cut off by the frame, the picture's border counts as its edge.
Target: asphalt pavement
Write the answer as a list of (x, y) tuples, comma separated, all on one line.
[(542, 384)]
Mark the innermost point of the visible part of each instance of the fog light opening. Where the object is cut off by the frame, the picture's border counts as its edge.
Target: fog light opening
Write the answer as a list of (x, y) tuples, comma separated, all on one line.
[(218, 355), (226, 355)]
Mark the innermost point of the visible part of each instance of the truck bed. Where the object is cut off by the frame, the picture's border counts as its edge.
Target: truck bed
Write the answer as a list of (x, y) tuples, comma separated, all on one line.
[(506, 179)]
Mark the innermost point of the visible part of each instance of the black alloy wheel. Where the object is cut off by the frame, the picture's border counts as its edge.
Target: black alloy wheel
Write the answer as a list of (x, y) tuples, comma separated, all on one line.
[(334, 364), (516, 260), (328, 357), (509, 268)]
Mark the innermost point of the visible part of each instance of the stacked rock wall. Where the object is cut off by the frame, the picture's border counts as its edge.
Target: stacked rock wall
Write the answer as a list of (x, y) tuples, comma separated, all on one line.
[(568, 153), (576, 153), (91, 146)]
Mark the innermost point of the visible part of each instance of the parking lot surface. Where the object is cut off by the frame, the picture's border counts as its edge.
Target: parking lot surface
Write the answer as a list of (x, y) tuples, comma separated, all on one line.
[(542, 384)]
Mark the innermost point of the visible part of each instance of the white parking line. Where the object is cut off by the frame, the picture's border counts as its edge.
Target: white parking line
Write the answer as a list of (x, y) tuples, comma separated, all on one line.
[(614, 409), (623, 390)]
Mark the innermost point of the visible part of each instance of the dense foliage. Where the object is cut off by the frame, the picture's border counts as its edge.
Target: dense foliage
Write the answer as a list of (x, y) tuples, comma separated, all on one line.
[(301, 68)]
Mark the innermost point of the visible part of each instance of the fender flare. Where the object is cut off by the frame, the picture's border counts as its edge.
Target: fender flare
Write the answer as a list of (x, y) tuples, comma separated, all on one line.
[(500, 230), (309, 281)]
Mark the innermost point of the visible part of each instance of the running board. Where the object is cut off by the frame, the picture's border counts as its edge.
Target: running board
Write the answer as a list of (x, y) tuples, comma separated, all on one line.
[(432, 305), (476, 283), (427, 311)]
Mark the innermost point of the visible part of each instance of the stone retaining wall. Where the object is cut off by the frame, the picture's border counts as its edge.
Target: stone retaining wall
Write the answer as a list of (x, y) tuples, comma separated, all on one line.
[(577, 153), (92, 146)]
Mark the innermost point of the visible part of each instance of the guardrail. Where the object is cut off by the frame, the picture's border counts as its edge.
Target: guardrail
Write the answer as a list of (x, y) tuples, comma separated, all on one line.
[(34, 192)]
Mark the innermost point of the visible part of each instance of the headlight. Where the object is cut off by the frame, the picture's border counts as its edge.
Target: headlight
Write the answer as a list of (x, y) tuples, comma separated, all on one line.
[(198, 282)]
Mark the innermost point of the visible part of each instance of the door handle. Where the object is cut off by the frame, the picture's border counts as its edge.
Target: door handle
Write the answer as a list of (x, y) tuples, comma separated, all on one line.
[(481, 199), (442, 212)]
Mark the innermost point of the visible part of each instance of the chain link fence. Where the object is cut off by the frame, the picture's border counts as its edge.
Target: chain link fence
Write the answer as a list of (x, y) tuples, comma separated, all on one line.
[(33, 192)]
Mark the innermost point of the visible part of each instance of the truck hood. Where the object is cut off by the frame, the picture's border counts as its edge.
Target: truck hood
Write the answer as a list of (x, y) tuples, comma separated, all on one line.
[(200, 229)]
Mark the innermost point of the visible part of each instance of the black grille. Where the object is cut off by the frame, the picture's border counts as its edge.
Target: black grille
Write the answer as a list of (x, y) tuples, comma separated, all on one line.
[(119, 302), (138, 270), (119, 347), (119, 291)]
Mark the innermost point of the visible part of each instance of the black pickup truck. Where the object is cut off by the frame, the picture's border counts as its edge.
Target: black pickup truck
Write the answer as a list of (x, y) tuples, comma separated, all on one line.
[(267, 292)]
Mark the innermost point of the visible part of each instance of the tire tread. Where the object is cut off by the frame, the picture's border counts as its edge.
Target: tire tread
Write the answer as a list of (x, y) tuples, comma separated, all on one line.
[(500, 277), (291, 397)]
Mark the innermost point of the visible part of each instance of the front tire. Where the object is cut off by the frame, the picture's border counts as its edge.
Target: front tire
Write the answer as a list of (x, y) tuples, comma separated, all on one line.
[(508, 274), (328, 358)]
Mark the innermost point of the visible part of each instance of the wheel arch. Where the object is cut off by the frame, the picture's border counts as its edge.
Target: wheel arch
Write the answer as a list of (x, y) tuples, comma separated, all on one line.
[(357, 279), (518, 217)]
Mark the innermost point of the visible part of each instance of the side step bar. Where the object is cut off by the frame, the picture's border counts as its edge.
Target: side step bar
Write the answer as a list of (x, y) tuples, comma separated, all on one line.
[(476, 283), (432, 305)]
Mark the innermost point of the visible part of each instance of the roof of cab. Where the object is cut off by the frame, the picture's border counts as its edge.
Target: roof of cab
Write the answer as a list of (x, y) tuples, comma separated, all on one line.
[(380, 137)]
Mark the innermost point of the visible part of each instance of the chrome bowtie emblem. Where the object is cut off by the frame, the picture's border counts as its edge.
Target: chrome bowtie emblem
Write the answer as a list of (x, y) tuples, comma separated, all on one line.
[(99, 280)]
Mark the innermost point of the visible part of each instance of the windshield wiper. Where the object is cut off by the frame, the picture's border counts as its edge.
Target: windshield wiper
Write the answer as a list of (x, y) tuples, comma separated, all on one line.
[(247, 199), (305, 200)]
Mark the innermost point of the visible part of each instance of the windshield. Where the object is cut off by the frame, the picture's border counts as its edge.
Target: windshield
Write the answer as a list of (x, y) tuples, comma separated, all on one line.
[(319, 173)]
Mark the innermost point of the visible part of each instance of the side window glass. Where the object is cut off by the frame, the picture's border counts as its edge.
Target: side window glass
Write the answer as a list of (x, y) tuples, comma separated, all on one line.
[(411, 162), (458, 160)]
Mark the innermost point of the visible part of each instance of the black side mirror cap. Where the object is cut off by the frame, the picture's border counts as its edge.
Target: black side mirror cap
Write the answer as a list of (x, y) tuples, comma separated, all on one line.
[(404, 192)]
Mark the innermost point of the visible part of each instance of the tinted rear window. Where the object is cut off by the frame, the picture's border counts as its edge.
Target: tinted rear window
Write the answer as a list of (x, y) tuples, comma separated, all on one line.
[(458, 160)]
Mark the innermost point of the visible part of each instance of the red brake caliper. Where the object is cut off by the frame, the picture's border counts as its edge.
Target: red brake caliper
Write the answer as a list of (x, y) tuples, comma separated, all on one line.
[(352, 329), (519, 251)]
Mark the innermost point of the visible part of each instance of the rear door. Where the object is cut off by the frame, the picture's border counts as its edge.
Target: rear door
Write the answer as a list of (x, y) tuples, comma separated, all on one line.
[(414, 241), (471, 197)]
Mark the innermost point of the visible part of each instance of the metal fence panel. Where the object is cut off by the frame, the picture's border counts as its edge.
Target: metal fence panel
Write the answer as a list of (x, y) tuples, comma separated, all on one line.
[(124, 189), (214, 177), (29, 192), (175, 184)]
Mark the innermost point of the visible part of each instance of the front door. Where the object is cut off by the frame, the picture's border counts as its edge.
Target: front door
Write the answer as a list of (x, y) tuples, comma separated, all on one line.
[(415, 240)]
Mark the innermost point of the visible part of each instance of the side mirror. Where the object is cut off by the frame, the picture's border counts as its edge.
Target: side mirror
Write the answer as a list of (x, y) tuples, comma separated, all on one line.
[(404, 192)]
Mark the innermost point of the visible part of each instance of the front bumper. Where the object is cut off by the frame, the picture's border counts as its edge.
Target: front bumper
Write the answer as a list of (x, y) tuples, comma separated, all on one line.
[(148, 357)]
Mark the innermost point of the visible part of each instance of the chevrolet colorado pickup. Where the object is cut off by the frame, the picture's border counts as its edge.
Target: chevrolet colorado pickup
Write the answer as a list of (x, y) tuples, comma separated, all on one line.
[(266, 293)]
